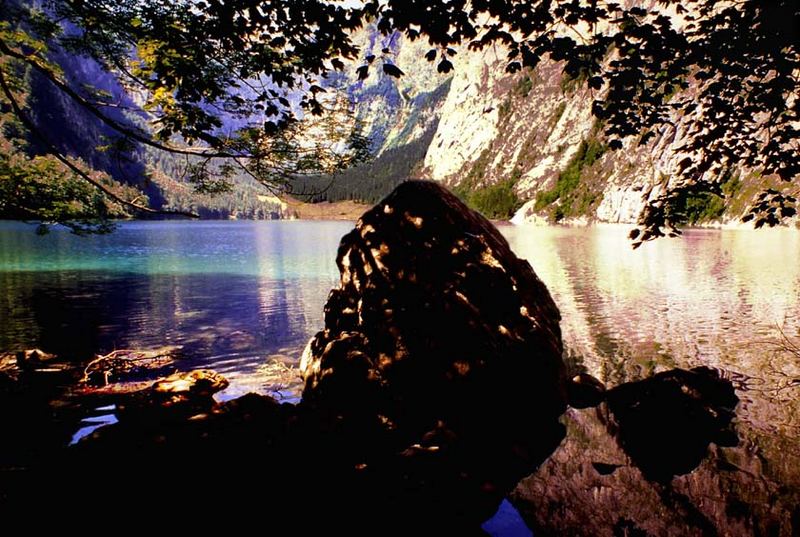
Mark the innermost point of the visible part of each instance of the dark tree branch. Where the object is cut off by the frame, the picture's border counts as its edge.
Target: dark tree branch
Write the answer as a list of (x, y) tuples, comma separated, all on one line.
[(133, 135)]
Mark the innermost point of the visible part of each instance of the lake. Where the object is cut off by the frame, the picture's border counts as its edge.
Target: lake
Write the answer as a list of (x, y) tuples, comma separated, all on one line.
[(243, 298)]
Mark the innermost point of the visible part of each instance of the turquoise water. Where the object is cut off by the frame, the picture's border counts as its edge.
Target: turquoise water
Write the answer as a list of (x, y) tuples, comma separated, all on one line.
[(273, 250), (234, 296)]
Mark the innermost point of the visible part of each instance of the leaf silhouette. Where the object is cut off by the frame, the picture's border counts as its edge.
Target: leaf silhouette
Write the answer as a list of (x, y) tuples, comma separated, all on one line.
[(392, 70)]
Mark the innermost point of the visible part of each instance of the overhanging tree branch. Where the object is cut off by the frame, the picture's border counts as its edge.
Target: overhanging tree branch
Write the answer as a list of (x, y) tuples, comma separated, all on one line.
[(50, 77), (51, 149)]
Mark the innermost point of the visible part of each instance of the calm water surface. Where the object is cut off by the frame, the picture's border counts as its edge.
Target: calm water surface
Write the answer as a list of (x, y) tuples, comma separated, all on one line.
[(240, 297)]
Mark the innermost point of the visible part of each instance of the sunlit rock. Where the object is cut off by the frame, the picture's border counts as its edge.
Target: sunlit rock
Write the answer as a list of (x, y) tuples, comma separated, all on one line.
[(201, 382), (33, 358), (178, 396)]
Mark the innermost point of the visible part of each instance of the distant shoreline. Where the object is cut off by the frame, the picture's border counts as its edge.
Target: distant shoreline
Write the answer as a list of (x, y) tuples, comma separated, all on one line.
[(337, 210)]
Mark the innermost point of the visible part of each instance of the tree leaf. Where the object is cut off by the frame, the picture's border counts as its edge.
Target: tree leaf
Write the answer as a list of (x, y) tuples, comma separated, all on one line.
[(392, 70)]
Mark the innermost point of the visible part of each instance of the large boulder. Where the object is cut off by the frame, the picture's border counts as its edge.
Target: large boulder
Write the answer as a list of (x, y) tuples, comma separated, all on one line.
[(440, 358)]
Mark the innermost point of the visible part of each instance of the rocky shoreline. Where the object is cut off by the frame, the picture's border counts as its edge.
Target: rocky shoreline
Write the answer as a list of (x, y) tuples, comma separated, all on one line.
[(435, 386)]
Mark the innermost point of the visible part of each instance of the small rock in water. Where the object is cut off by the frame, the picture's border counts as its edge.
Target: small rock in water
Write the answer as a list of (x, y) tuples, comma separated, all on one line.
[(665, 423), (178, 396), (33, 358), (585, 391), (201, 382)]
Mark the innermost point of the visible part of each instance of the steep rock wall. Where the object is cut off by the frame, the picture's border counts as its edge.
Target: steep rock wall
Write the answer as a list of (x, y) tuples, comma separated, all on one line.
[(533, 128)]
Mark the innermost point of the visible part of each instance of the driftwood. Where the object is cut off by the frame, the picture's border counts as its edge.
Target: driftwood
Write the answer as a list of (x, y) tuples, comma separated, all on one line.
[(126, 363)]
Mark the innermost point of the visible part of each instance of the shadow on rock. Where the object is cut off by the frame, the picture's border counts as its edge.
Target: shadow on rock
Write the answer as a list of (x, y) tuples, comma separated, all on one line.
[(442, 348)]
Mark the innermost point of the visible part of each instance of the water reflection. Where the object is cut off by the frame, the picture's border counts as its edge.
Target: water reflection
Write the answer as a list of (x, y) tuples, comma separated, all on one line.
[(713, 298), (702, 299), (243, 298)]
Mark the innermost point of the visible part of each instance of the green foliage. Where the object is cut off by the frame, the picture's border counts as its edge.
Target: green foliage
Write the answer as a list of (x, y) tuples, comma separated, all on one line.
[(200, 64), (574, 201), (732, 186), (692, 207), (562, 106), (205, 101), (572, 82), (524, 86), (478, 170), (504, 110), (42, 189), (371, 181), (699, 207), (498, 201)]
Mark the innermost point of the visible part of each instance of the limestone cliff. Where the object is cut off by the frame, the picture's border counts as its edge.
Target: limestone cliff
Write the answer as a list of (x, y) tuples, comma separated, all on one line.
[(533, 130)]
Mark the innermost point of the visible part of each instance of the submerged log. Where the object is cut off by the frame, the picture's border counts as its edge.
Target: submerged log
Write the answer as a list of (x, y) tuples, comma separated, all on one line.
[(127, 365)]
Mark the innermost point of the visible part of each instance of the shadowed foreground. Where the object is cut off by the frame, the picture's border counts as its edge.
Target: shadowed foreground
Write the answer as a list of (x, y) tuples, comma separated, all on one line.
[(435, 387)]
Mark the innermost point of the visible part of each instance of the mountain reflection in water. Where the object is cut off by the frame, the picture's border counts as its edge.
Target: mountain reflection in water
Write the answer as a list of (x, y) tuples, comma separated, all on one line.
[(728, 300)]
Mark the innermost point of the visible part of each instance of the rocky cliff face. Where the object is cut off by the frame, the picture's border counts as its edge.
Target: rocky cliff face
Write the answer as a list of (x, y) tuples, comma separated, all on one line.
[(477, 127), (533, 129), (395, 110)]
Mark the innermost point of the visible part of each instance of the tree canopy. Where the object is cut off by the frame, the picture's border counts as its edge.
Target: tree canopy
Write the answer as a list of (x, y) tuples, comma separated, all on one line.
[(730, 70)]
